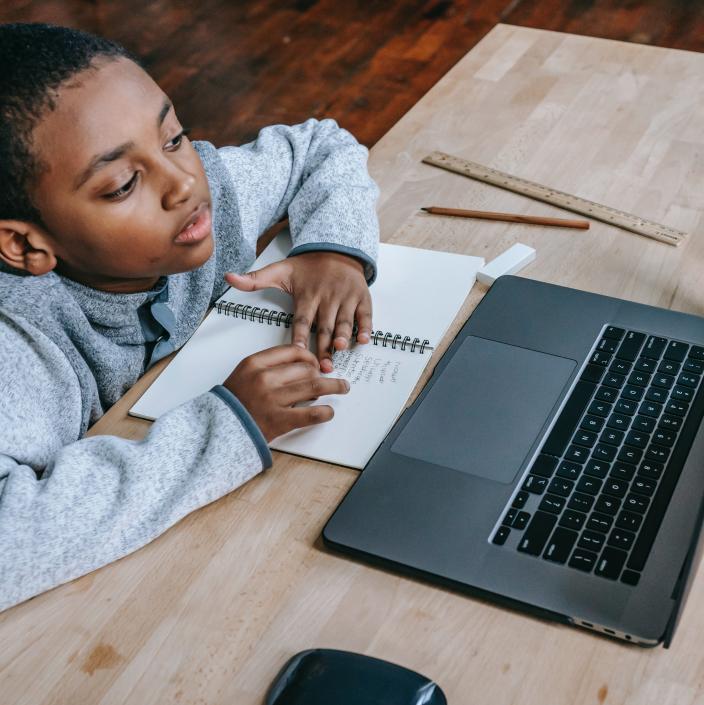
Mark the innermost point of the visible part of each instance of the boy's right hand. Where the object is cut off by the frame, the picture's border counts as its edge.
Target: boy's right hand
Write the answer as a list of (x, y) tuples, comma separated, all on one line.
[(269, 384)]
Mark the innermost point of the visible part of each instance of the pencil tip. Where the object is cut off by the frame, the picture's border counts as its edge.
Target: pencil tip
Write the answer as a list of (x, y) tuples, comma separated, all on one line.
[(425, 209)]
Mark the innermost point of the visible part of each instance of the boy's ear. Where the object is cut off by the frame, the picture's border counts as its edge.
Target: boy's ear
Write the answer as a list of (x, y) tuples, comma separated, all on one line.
[(26, 246)]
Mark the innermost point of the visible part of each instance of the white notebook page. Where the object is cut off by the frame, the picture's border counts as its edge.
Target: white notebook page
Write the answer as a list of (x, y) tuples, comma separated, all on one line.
[(417, 293)]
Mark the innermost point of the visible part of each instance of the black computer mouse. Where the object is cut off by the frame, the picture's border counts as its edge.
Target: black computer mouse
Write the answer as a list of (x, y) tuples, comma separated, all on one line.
[(331, 677)]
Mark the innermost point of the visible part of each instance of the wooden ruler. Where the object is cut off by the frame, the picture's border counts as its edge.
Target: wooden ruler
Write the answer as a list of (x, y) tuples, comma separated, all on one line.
[(609, 215)]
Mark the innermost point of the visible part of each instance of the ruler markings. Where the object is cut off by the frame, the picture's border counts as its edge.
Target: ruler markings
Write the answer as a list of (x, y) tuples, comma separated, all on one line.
[(607, 214)]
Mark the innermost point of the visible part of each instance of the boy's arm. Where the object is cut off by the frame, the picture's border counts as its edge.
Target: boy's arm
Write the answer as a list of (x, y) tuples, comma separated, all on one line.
[(317, 173), (69, 506)]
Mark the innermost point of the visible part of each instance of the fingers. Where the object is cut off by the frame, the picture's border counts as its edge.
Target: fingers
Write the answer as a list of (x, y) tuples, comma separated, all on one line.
[(310, 389), (273, 276), (344, 326), (281, 355), (303, 318), (364, 319)]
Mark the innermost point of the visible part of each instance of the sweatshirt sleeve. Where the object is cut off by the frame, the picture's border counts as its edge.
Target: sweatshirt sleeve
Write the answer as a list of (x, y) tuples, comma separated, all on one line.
[(317, 173), (69, 506)]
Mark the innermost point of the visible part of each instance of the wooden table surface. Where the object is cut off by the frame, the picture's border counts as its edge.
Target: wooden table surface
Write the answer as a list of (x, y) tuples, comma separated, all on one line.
[(211, 610)]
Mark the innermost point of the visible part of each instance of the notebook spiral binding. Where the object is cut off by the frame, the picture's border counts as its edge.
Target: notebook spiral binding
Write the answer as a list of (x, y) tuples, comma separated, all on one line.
[(281, 318)]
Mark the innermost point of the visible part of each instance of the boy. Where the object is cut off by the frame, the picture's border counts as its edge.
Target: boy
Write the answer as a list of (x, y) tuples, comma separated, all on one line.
[(116, 234)]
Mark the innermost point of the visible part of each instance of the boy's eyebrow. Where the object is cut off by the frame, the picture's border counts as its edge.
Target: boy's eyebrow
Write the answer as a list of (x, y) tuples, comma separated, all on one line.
[(101, 160)]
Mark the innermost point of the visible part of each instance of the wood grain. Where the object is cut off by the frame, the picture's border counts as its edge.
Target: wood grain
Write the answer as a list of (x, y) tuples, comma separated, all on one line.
[(210, 611)]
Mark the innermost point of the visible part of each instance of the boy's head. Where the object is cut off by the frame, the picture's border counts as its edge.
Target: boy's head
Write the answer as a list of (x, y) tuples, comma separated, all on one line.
[(97, 177)]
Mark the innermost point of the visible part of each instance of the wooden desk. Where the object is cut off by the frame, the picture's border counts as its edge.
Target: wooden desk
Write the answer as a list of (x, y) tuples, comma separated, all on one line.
[(210, 611)]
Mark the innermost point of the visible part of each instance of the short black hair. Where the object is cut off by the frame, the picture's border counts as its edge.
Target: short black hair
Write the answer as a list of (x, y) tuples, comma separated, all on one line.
[(35, 60)]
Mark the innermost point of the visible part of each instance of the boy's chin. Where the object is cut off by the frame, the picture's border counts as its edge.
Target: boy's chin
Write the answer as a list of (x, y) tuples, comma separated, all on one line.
[(196, 256)]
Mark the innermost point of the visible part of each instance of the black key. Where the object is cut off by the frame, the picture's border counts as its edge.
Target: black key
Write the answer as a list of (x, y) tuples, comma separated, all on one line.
[(597, 468), (650, 469), (672, 423), (626, 406), (621, 367), (642, 485), (628, 454), (589, 485), (619, 421), (582, 560), (606, 394), (537, 533), (552, 503), (629, 520), (572, 519), (581, 502), (643, 423), (646, 365), (636, 503), (620, 538), (521, 521), (568, 470), (635, 438), (615, 333), (584, 438), (654, 347), (611, 379), (610, 563), (623, 471), (599, 522), (615, 488), (599, 408), (544, 465), (599, 358), (630, 577), (688, 380), (607, 505), (591, 540), (668, 367), (657, 453), (676, 351), (696, 353), (560, 487), (577, 454), (639, 378), (560, 545), (501, 535), (612, 436), (592, 423), (569, 418), (630, 346), (510, 516), (535, 484), (664, 438), (650, 408), (682, 394), (663, 381), (607, 345), (657, 394), (592, 373), (676, 408), (632, 392), (604, 452), (695, 366), (520, 500)]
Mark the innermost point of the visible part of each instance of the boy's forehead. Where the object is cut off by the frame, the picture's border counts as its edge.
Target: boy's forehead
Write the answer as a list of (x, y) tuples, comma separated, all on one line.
[(103, 107)]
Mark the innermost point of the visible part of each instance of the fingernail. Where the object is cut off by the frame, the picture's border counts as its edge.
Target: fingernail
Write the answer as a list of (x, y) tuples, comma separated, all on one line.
[(299, 344), (347, 385)]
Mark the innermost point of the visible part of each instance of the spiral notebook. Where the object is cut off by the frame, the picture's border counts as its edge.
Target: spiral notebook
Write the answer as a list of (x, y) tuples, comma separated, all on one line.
[(416, 296)]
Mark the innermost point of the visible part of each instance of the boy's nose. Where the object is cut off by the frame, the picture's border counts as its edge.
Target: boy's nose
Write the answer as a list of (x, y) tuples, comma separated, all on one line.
[(179, 189)]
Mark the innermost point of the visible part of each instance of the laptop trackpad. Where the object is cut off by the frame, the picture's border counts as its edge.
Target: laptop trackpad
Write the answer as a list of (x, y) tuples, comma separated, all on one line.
[(484, 412)]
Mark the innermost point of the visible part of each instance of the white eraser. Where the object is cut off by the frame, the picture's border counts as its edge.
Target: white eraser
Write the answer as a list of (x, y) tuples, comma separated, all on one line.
[(513, 260)]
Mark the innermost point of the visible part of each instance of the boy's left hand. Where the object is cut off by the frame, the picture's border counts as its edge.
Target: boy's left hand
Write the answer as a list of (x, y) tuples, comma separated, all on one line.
[(328, 289)]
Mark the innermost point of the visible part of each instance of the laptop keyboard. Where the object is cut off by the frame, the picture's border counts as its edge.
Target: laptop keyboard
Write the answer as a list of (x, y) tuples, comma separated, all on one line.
[(595, 496)]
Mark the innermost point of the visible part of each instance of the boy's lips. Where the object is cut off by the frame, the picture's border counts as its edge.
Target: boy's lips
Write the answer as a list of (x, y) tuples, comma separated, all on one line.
[(197, 227)]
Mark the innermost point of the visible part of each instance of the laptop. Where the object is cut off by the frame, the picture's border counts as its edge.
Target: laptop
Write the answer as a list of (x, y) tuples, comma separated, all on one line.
[(553, 463)]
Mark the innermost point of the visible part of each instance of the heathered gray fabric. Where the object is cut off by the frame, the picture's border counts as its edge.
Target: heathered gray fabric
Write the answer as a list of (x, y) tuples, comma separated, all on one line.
[(70, 504)]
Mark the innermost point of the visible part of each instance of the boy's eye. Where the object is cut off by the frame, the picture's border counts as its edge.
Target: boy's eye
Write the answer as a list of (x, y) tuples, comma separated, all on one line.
[(123, 190), (173, 144)]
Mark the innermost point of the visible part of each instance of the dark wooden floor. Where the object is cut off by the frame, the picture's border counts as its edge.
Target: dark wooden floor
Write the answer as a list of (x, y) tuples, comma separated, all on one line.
[(232, 67)]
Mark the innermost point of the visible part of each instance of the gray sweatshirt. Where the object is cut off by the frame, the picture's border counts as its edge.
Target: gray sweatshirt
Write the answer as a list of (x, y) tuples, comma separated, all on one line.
[(70, 504)]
